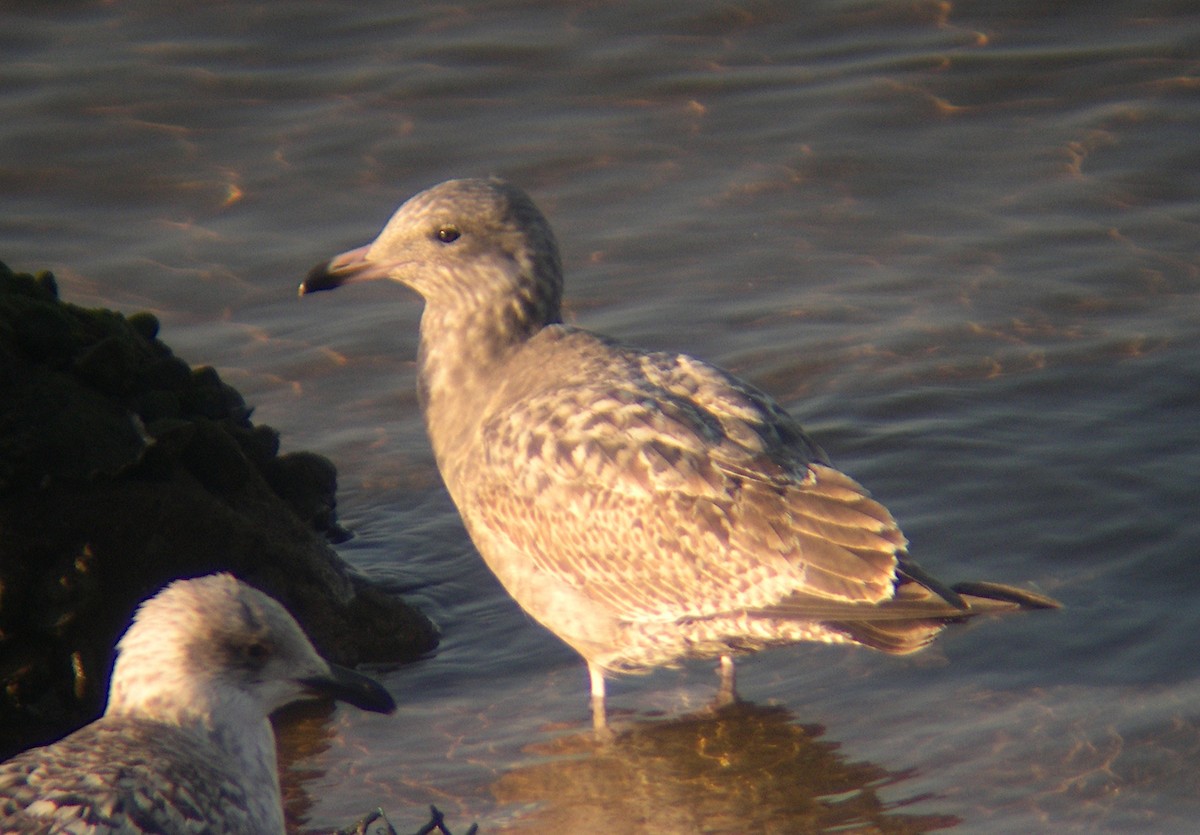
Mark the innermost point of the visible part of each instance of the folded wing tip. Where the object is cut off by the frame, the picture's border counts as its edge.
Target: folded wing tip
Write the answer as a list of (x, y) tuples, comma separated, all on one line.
[(1023, 598)]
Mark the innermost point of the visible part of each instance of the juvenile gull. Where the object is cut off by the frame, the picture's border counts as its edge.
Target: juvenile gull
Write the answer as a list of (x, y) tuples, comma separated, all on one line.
[(645, 507), (184, 745)]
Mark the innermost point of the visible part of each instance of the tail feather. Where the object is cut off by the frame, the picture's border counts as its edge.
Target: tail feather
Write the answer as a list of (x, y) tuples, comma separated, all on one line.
[(914, 617), (896, 638)]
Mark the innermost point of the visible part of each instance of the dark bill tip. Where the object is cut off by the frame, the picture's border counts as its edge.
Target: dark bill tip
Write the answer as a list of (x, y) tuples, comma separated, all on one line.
[(321, 278), (352, 688)]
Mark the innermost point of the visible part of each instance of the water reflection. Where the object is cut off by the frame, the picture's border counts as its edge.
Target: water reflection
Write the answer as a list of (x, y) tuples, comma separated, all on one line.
[(743, 768), (303, 731)]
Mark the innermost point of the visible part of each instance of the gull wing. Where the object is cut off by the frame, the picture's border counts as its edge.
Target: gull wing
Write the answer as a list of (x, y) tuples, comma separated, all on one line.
[(668, 489)]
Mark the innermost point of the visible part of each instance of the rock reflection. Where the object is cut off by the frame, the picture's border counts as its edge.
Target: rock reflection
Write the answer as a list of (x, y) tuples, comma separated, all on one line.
[(744, 768)]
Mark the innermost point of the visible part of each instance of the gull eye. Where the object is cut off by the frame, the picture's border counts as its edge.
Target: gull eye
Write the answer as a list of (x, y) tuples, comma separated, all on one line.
[(448, 234), (257, 654)]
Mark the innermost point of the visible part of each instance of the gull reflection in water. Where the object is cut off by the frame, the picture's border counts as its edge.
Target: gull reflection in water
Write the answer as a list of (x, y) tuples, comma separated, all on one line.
[(742, 768)]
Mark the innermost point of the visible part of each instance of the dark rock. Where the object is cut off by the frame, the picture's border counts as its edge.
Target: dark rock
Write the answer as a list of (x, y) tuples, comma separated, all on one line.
[(40, 332), (215, 458), (53, 428), (107, 366), (204, 395), (235, 406), (260, 444), (165, 373), (308, 483), (122, 468), (158, 404), (41, 287), (171, 438), (44, 279), (145, 323)]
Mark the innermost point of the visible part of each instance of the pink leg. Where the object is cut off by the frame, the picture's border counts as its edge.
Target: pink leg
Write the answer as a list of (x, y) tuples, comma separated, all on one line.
[(599, 715), (727, 695)]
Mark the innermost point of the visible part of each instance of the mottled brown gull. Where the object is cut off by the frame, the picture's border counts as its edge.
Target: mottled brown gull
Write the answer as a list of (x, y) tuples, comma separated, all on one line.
[(184, 745), (645, 507)]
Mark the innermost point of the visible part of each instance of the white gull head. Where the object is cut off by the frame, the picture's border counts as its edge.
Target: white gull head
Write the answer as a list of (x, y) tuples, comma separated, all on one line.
[(185, 743)]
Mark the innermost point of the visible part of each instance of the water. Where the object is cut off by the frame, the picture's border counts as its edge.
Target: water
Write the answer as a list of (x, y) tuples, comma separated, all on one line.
[(958, 240)]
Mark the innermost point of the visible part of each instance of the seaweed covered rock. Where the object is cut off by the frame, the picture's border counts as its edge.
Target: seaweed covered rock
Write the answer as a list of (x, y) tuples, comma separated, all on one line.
[(122, 468)]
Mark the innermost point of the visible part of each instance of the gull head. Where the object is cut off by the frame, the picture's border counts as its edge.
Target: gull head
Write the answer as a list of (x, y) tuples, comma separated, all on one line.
[(465, 244), (212, 645)]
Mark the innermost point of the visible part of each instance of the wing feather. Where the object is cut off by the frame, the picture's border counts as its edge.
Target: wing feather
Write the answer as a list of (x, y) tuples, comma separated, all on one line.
[(682, 493), (123, 775)]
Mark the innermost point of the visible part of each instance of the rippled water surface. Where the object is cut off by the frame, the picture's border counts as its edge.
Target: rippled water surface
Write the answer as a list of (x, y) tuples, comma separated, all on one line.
[(958, 240)]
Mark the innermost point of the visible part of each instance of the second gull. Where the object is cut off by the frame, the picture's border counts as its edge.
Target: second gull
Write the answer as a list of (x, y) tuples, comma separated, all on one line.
[(184, 745)]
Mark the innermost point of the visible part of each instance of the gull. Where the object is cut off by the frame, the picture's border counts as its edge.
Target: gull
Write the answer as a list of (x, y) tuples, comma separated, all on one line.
[(184, 745), (646, 507)]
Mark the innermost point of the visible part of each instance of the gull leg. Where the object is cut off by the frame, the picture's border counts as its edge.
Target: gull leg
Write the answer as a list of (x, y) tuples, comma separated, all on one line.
[(599, 715), (727, 695)]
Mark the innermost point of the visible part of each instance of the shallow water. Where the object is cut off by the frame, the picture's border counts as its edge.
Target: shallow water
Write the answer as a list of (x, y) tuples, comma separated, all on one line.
[(958, 240)]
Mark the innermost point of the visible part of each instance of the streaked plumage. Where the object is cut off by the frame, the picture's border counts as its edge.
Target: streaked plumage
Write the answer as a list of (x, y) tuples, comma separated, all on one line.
[(184, 745), (646, 507)]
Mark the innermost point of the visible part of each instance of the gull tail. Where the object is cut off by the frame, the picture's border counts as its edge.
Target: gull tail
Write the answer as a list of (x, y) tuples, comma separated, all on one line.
[(915, 616)]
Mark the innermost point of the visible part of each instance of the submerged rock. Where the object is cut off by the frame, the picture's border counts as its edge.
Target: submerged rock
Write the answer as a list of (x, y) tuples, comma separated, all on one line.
[(122, 468)]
